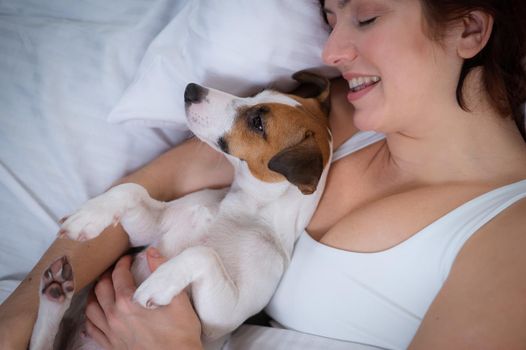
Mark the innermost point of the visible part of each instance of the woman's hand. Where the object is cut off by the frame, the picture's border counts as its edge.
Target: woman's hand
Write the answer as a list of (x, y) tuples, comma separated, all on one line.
[(116, 322)]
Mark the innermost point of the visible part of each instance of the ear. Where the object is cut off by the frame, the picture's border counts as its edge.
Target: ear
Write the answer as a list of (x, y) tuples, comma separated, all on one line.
[(301, 164), (476, 31), (313, 86)]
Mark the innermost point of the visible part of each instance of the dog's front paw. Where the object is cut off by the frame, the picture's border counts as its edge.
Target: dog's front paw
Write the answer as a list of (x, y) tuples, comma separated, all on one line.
[(160, 288), (100, 212), (93, 217)]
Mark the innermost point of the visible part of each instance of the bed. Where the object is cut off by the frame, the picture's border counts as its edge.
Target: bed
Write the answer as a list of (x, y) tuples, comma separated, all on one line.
[(91, 90)]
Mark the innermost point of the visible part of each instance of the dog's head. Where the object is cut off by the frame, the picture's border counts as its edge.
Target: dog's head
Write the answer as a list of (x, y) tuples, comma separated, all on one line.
[(278, 135)]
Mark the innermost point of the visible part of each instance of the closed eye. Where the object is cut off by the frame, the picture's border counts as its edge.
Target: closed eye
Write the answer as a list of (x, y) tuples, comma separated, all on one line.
[(367, 22)]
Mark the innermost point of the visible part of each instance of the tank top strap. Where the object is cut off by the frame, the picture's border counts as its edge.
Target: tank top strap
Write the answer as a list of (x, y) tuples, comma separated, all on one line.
[(356, 142), (470, 217)]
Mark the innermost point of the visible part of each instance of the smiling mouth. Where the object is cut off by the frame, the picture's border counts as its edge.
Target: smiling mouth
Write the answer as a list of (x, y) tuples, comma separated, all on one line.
[(357, 84)]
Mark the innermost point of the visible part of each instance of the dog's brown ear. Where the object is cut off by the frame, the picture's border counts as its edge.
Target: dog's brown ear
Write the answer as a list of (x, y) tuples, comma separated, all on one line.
[(301, 164), (313, 86)]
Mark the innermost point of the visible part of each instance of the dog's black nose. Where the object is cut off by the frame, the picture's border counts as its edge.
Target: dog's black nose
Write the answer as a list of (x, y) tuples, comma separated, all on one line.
[(194, 93)]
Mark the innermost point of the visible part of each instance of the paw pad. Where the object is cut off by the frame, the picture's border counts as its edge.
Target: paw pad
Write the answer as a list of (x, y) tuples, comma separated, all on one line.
[(57, 280)]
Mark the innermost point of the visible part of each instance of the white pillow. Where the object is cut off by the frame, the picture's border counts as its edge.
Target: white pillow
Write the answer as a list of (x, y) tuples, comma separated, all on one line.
[(239, 46)]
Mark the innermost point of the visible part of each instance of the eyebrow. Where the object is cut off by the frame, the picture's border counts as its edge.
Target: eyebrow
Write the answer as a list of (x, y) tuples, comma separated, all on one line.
[(342, 3)]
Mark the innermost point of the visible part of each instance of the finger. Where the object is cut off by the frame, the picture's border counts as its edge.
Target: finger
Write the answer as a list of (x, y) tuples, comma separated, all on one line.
[(181, 303), (182, 306), (154, 257), (104, 292), (95, 314), (97, 335), (123, 281)]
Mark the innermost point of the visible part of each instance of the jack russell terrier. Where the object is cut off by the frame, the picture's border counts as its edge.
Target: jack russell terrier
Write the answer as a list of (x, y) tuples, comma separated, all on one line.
[(231, 246)]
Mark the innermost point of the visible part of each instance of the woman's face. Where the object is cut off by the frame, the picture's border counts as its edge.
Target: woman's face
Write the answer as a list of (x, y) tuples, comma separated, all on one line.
[(395, 72)]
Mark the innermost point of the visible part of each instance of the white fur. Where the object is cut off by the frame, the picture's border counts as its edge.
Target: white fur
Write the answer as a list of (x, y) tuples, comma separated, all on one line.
[(229, 246), (47, 325)]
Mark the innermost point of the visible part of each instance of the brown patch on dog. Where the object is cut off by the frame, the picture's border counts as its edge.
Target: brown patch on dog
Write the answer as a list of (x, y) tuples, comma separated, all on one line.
[(283, 128)]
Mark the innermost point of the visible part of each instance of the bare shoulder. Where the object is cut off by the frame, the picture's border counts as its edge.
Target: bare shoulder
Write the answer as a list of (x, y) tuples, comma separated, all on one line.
[(482, 304)]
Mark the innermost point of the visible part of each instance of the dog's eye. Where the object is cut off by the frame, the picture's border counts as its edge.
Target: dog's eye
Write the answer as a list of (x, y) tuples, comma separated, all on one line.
[(255, 120), (257, 124)]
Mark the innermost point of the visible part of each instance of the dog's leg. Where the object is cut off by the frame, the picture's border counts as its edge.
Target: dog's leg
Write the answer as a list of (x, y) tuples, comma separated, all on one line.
[(184, 221), (129, 204), (203, 268), (56, 291)]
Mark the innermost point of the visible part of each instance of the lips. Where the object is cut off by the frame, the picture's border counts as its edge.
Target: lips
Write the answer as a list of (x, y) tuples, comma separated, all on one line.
[(359, 83)]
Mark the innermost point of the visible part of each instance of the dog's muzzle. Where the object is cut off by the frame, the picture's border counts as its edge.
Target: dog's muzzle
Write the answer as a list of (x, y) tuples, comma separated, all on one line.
[(194, 93)]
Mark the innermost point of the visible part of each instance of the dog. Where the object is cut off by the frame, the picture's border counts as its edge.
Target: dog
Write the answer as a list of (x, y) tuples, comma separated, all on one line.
[(232, 245)]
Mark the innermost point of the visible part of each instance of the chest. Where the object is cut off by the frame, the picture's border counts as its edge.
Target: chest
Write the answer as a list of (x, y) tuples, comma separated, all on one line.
[(366, 211)]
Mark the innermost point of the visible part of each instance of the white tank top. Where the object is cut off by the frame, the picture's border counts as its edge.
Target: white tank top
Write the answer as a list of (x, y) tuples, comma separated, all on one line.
[(378, 298)]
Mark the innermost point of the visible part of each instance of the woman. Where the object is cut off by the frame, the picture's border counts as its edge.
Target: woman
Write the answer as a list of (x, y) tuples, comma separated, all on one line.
[(422, 229)]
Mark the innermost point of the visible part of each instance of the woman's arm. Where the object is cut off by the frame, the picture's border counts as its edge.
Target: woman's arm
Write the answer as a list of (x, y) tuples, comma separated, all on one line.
[(482, 304), (184, 169)]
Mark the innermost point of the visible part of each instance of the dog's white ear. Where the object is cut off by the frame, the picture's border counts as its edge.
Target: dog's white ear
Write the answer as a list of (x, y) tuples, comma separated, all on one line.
[(313, 86), (301, 164)]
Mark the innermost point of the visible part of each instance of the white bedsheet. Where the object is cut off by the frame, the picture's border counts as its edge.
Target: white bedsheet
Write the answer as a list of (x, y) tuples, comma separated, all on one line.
[(250, 337), (63, 65)]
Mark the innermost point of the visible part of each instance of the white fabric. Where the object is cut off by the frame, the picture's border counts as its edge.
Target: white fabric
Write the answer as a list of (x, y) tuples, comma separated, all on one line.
[(64, 65), (238, 46), (250, 337), (355, 143), (379, 298)]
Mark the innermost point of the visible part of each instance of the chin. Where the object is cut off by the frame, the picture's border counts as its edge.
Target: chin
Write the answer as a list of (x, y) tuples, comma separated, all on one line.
[(366, 121)]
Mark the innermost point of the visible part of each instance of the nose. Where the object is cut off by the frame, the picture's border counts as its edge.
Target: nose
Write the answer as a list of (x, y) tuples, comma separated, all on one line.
[(194, 93), (338, 49)]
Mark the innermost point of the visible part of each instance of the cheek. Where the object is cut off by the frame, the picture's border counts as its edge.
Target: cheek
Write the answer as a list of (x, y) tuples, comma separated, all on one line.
[(247, 147), (409, 64), (257, 155), (240, 145)]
